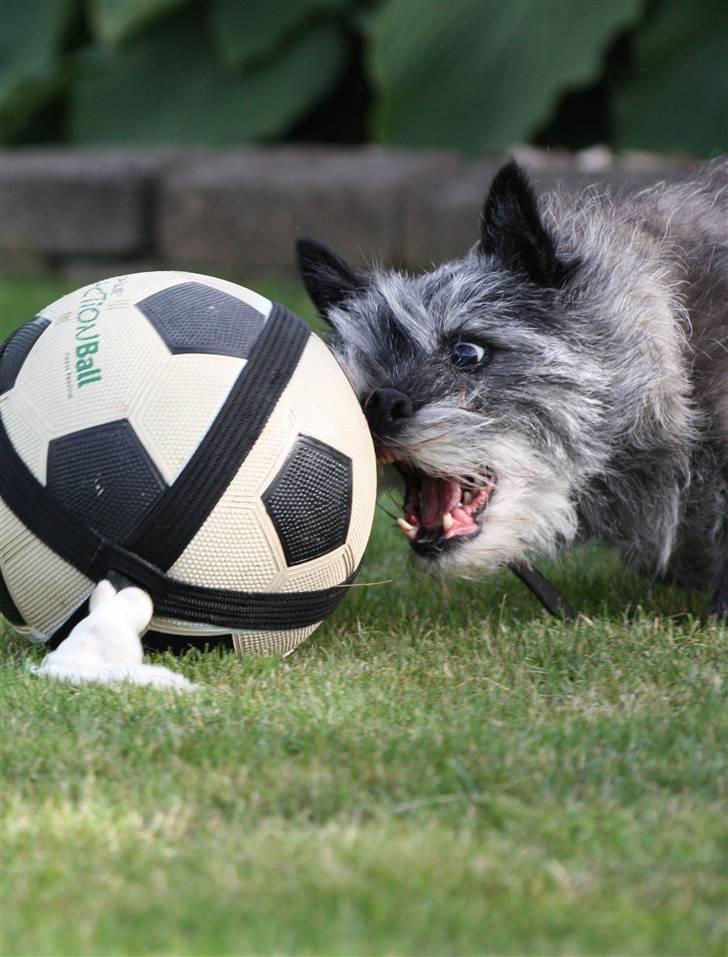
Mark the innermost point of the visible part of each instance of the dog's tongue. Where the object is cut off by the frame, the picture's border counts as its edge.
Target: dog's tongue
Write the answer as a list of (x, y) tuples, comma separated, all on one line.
[(437, 498)]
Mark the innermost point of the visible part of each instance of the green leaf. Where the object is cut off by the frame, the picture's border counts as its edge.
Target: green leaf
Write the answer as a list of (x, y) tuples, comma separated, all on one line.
[(113, 21), (245, 32), (166, 88), (484, 74), (30, 42), (677, 97)]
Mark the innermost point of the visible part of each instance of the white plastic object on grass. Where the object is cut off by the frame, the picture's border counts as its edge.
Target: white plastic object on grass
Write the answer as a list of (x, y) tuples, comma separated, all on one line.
[(106, 648)]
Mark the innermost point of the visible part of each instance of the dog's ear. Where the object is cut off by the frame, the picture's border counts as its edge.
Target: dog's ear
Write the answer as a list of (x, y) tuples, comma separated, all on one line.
[(328, 279), (511, 229)]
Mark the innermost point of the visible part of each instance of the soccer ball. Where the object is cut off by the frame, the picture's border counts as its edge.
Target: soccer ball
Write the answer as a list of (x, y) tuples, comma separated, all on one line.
[(186, 435)]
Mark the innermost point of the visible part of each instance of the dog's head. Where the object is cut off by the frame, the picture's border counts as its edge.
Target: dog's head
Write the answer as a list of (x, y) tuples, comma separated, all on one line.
[(474, 382)]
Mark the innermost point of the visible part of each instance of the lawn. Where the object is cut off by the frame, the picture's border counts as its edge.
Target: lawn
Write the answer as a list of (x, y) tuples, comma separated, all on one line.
[(433, 772)]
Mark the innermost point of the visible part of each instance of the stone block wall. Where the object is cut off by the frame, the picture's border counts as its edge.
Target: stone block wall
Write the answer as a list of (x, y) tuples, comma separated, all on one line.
[(88, 212)]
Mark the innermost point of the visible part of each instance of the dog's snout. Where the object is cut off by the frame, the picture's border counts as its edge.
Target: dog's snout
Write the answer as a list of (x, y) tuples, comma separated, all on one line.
[(387, 410)]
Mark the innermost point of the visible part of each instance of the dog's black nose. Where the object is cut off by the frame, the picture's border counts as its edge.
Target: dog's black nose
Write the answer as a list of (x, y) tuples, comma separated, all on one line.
[(386, 411)]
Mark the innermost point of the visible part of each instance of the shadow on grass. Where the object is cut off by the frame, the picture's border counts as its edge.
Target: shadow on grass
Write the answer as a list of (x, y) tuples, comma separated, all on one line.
[(593, 578)]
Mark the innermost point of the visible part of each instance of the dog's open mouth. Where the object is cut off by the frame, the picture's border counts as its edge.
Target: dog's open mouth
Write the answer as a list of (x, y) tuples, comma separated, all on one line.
[(439, 513)]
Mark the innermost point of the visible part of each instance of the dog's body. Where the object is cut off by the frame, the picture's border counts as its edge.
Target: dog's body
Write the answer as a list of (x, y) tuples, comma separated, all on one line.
[(568, 377)]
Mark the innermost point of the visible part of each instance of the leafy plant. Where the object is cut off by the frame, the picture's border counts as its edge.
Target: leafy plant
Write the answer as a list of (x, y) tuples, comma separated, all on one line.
[(31, 65), (167, 87), (471, 75), (244, 33), (483, 75), (113, 21), (676, 97)]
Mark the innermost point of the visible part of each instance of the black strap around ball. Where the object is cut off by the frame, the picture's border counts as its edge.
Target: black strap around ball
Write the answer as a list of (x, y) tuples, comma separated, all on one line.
[(171, 524)]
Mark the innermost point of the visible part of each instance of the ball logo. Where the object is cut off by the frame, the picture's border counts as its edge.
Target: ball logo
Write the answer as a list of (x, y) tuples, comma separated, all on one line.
[(87, 336)]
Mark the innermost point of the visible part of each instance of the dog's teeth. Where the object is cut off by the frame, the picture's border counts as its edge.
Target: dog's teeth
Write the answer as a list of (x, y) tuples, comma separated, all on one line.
[(447, 521), (406, 527), (467, 498)]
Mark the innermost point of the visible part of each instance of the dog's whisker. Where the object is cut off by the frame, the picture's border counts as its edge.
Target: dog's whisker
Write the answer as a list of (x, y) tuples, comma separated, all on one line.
[(387, 512)]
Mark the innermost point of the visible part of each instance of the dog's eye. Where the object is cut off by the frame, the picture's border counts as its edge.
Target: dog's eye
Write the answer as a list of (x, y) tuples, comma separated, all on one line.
[(467, 355)]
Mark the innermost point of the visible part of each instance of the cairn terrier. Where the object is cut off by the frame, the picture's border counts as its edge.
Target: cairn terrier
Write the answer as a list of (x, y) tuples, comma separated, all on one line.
[(567, 378)]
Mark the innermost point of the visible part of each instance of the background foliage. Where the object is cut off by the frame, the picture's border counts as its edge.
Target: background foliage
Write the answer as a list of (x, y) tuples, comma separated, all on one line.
[(468, 74)]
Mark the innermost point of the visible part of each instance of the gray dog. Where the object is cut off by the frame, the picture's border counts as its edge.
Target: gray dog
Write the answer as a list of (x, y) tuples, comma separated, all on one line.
[(566, 378)]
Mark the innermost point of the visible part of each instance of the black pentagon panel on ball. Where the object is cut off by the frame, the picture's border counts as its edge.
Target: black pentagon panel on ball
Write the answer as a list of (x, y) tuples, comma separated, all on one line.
[(105, 476), (193, 317), (16, 348), (309, 501)]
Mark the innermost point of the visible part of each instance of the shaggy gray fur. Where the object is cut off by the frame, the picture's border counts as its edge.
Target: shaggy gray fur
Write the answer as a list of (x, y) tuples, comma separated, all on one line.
[(602, 405)]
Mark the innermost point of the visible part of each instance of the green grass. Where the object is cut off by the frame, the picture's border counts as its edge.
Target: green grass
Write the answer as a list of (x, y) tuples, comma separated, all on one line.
[(431, 773)]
